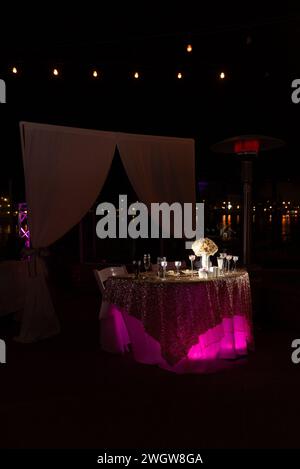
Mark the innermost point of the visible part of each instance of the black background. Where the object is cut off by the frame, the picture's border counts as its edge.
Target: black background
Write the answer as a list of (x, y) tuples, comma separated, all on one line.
[(254, 43)]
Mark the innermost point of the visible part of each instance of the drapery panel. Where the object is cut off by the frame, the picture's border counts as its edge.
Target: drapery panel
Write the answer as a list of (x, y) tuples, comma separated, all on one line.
[(65, 169), (160, 169)]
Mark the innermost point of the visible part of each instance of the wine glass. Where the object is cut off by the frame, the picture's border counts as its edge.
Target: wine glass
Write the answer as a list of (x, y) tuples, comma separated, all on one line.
[(235, 259), (164, 265), (135, 268), (178, 265), (192, 258), (147, 262), (223, 257), (158, 261), (228, 259)]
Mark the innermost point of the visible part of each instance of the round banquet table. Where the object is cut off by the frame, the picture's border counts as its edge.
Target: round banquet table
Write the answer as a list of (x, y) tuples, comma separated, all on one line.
[(182, 323)]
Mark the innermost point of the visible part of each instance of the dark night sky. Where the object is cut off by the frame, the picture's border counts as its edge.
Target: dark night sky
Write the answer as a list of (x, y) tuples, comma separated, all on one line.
[(255, 98)]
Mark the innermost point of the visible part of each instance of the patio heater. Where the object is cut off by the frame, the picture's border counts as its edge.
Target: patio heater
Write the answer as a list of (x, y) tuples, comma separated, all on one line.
[(247, 148)]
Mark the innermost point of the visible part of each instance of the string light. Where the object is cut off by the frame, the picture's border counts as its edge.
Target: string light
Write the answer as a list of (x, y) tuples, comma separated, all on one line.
[(189, 48), (136, 75)]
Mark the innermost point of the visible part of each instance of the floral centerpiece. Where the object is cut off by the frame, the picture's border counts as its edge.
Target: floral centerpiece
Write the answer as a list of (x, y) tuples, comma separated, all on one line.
[(204, 247)]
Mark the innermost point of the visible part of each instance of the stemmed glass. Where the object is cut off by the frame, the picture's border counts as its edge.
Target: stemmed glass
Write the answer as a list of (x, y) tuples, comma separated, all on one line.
[(220, 263), (223, 257), (177, 265), (147, 262), (136, 267), (192, 258), (235, 259), (228, 259), (164, 266), (159, 259)]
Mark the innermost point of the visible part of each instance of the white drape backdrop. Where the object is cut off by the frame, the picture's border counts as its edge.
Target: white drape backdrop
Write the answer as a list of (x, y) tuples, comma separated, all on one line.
[(65, 169), (160, 169)]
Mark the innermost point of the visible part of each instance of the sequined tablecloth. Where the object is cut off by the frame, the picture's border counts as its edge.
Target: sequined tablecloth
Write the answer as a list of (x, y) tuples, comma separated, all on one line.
[(176, 311)]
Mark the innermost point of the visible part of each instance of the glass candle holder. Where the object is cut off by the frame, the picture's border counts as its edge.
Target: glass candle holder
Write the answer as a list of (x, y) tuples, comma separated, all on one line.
[(205, 261), (220, 261)]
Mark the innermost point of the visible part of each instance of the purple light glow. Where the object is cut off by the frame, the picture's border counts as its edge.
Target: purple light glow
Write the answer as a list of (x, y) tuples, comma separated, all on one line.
[(228, 340), (24, 232)]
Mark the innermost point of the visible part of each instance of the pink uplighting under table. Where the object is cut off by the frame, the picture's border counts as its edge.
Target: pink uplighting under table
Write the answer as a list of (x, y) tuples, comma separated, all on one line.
[(186, 325)]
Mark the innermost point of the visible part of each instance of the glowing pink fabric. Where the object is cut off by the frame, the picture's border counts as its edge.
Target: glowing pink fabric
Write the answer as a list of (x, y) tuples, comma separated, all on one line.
[(199, 319), (228, 340)]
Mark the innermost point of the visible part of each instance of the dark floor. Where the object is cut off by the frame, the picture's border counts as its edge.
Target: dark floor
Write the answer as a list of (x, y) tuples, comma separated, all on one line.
[(65, 392)]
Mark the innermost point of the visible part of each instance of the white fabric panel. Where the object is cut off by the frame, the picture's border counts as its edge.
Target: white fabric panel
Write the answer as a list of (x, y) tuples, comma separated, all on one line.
[(65, 169), (160, 169)]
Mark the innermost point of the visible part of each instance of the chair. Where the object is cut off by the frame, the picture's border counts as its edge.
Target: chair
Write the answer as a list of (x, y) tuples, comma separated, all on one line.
[(102, 275), (113, 332)]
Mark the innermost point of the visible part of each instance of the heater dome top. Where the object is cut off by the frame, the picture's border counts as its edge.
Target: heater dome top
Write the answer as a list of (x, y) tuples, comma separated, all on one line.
[(247, 144)]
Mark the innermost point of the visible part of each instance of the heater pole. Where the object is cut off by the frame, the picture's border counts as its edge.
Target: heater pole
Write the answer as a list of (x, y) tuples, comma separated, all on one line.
[(247, 209), (247, 147)]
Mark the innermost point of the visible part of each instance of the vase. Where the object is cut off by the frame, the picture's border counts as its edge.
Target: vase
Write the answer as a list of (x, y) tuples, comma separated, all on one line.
[(205, 261)]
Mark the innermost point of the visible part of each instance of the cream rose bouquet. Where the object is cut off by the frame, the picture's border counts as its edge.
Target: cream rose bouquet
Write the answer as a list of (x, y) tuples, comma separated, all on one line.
[(204, 246)]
